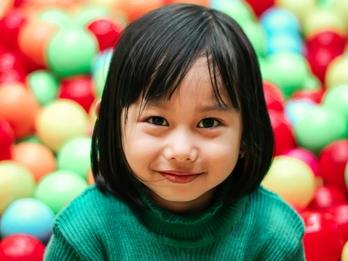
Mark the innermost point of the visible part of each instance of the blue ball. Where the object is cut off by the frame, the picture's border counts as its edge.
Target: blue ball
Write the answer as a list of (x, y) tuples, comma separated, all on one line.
[(27, 216), (284, 42), (296, 109), (278, 20), (102, 61)]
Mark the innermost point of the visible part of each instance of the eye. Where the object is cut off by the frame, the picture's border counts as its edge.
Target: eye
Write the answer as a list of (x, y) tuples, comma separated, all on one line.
[(208, 123), (157, 120)]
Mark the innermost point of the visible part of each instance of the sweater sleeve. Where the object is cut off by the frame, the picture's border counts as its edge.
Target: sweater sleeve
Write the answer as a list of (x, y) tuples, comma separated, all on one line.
[(59, 249)]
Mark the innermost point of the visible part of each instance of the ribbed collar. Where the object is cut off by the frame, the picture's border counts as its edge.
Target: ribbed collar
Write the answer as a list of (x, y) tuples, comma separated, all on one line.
[(196, 229)]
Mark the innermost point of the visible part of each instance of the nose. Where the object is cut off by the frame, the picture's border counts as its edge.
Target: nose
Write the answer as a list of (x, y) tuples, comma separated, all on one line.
[(181, 147)]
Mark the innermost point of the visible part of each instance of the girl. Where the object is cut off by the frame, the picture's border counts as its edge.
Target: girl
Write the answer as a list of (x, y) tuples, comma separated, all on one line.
[(179, 149)]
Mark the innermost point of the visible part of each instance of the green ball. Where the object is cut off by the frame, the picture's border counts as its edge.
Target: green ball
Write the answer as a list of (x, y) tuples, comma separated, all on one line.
[(74, 156), (71, 52), (57, 189), (57, 17), (256, 36), (336, 73), (288, 70), (43, 85), (238, 10), (300, 8), (312, 83), (87, 15), (319, 127), (99, 78), (336, 98), (16, 182), (32, 139)]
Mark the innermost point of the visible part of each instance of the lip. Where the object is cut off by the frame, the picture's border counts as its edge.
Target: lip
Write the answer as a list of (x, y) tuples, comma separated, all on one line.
[(180, 177)]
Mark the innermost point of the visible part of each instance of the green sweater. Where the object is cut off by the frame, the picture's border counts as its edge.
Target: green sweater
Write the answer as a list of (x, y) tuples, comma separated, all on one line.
[(95, 226)]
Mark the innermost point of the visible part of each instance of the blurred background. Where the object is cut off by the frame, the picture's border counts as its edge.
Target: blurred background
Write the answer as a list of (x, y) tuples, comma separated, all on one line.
[(54, 56)]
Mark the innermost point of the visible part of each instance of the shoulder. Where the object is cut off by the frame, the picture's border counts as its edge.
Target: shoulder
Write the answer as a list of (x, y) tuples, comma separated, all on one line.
[(282, 228)]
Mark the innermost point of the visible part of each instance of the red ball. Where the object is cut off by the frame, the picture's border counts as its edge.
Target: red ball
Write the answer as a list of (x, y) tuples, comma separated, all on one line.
[(319, 59), (7, 139), (10, 26), (21, 247), (11, 60), (322, 240), (313, 95), (327, 39), (260, 6), (340, 214), (273, 96), (12, 76), (283, 134), (332, 161), (326, 197), (107, 32), (79, 89)]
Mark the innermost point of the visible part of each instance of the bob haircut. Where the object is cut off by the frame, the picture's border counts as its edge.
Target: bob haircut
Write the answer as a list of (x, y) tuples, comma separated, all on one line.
[(149, 62)]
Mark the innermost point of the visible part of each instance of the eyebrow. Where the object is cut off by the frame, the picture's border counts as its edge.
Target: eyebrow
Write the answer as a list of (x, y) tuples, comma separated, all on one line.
[(206, 108)]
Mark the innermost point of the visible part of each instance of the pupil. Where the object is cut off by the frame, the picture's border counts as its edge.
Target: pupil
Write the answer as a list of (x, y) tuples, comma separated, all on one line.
[(207, 123)]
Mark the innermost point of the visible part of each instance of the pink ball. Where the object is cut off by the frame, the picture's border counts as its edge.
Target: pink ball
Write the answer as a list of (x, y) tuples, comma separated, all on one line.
[(332, 162), (306, 156)]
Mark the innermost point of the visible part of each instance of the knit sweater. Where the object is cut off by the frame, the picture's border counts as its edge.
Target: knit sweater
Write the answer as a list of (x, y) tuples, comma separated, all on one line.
[(96, 226)]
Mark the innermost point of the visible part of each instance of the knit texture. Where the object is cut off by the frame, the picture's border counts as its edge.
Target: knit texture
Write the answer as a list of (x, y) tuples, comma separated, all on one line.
[(95, 226)]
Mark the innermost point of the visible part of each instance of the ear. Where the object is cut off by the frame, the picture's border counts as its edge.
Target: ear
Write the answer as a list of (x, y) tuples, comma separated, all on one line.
[(97, 107)]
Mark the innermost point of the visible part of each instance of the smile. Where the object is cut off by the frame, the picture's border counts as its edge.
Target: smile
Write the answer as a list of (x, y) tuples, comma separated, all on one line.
[(180, 178)]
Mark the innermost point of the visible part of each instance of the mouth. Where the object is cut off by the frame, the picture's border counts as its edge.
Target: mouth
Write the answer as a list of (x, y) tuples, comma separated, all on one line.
[(179, 177)]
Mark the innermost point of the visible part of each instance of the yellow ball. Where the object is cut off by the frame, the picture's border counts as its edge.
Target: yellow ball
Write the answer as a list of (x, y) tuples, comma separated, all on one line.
[(300, 8), (337, 71), (344, 255), (292, 179), (61, 121), (15, 182)]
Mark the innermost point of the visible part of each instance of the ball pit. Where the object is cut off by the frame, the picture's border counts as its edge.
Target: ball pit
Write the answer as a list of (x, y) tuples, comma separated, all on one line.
[(54, 56)]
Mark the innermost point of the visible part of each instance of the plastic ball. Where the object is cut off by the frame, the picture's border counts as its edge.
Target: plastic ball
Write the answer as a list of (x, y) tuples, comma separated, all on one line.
[(5, 6), (344, 255), (337, 72), (328, 39), (298, 7), (13, 99), (320, 19), (260, 7), (7, 140), (279, 20), (312, 83), (11, 60), (102, 61), (107, 32), (322, 240), (292, 179), (90, 178), (15, 182), (10, 26), (134, 9), (256, 36), (326, 197), (314, 96), (273, 96), (61, 121), (34, 37), (196, 2), (307, 156), (340, 214), (59, 188), (12, 76), (238, 10), (317, 118), (99, 77), (337, 99), (27, 216), (71, 51), (283, 134), (36, 157), (295, 110), (79, 89), (88, 14), (21, 247), (289, 71), (44, 85), (56, 16), (332, 163), (74, 156), (284, 42)]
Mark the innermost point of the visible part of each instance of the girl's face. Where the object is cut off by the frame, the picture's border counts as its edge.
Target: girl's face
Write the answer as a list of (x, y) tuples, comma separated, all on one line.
[(182, 148)]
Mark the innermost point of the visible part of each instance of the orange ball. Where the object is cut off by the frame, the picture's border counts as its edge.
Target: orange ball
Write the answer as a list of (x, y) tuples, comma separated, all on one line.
[(34, 37), (19, 107), (35, 157), (5, 6), (134, 9), (196, 2), (90, 178)]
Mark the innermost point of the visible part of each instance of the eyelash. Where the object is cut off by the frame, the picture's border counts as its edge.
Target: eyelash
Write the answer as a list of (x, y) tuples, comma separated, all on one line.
[(151, 119)]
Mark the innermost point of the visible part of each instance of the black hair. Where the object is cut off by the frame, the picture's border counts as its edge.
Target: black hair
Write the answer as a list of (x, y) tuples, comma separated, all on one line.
[(151, 59)]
